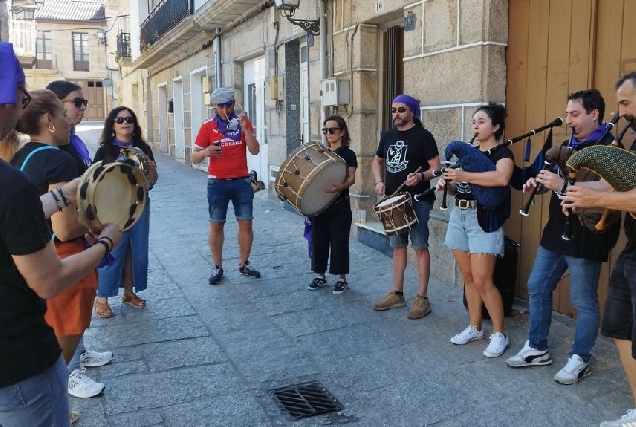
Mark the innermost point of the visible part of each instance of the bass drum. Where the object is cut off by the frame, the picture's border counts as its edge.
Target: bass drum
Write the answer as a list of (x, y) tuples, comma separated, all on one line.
[(306, 174)]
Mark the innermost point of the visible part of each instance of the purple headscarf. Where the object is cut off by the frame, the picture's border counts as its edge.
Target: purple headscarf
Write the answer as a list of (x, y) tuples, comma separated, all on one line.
[(11, 74), (409, 101)]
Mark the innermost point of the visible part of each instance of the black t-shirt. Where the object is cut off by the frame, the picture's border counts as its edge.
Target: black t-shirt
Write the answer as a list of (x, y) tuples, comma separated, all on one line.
[(109, 153), (349, 157), (463, 190), (47, 166), (27, 343), (630, 228), (403, 152), (584, 244), (82, 165)]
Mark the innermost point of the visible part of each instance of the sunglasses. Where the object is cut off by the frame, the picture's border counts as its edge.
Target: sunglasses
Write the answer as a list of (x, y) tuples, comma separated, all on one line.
[(121, 120), (399, 110), (78, 102), (26, 99), (330, 130), (225, 104)]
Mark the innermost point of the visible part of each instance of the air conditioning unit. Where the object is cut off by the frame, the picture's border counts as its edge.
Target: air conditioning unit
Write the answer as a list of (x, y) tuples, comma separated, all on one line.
[(334, 92)]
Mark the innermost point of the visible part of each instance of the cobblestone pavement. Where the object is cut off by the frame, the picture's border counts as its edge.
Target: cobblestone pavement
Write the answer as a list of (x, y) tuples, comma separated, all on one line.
[(201, 355)]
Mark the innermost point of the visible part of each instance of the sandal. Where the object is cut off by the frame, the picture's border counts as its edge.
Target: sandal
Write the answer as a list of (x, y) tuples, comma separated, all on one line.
[(102, 309), (133, 300)]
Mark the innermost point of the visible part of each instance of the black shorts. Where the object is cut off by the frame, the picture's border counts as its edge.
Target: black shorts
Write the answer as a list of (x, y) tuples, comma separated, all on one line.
[(620, 306)]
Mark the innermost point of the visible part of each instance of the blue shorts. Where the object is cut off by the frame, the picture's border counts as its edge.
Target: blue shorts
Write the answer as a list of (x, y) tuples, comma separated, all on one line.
[(221, 191), (465, 234), (419, 233)]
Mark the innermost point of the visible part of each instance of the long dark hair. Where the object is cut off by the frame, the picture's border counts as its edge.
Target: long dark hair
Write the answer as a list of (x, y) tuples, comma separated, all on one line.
[(346, 139), (108, 134)]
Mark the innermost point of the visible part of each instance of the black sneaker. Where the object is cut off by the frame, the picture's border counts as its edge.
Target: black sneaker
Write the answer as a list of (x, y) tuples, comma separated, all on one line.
[(217, 275), (340, 287), (318, 282), (248, 271)]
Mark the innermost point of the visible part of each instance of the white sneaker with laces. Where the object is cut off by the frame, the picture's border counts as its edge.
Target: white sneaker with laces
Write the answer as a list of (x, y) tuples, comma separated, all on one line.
[(469, 334), (529, 356), (627, 420), (82, 386), (94, 359), (498, 344), (573, 371)]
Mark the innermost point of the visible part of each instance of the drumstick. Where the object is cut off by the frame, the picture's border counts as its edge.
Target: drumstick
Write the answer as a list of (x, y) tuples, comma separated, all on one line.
[(404, 183)]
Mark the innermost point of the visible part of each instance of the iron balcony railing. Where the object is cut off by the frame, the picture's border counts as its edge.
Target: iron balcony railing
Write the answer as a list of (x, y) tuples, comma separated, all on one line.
[(123, 45), (167, 15)]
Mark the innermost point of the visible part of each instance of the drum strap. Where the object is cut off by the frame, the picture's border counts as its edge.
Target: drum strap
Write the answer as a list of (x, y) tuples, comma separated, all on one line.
[(28, 157)]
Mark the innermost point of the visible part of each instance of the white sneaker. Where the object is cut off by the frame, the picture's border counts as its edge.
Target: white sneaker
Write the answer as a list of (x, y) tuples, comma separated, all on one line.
[(498, 344), (574, 371), (469, 334), (94, 359), (529, 356), (82, 386), (627, 420)]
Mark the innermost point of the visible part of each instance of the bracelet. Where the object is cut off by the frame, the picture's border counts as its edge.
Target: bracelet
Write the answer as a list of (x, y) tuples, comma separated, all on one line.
[(64, 199), (379, 182), (103, 242), (109, 240), (57, 201)]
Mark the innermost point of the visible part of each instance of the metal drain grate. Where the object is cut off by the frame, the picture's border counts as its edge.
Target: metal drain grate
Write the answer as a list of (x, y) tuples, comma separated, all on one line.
[(306, 400)]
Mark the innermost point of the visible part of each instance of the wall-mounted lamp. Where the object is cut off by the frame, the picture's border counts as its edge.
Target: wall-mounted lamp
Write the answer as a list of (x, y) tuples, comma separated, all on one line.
[(288, 8), (101, 36)]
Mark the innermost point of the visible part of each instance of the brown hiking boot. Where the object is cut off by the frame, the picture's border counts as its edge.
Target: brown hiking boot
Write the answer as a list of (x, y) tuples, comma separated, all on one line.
[(421, 307), (391, 300)]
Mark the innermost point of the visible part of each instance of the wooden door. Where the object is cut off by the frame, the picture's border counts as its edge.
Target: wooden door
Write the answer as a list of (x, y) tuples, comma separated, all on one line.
[(556, 47), (94, 91)]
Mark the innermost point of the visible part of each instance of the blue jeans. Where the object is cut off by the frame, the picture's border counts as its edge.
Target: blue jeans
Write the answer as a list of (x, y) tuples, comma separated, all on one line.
[(221, 191), (419, 233), (38, 401), (584, 274), (75, 361)]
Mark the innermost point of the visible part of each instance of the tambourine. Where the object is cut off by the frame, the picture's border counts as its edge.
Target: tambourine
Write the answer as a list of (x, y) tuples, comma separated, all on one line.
[(111, 193), (137, 156)]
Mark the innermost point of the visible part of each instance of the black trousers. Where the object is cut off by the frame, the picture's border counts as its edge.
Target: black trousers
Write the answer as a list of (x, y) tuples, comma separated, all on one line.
[(331, 229)]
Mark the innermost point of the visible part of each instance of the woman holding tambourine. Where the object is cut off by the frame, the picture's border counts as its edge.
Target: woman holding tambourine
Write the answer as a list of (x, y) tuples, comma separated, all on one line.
[(476, 242), (130, 266)]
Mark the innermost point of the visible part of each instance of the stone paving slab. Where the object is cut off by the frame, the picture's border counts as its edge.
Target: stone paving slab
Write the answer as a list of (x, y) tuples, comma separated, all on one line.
[(201, 355)]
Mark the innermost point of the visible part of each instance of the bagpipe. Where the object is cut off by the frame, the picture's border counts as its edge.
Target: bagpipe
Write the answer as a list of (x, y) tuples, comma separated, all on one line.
[(610, 162), (471, 159)]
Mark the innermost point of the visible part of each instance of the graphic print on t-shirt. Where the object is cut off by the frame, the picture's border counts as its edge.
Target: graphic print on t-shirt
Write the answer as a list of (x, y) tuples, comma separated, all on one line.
[(396, 157)]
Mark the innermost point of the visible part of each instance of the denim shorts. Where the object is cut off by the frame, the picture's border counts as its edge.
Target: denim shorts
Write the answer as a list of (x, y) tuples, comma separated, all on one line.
[(221, 191), (465, 234), (620, 306), (419, 233)]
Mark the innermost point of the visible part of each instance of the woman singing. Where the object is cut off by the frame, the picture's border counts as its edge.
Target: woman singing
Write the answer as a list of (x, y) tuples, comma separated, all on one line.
[(130, 267), (476, 235), (330, 229)]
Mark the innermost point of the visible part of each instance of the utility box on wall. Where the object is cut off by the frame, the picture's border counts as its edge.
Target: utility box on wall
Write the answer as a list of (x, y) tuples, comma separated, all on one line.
[(276, 88), (334, 92)]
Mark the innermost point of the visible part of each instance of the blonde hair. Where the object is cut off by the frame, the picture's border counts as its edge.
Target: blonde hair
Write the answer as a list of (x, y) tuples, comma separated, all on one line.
[(9, 145)]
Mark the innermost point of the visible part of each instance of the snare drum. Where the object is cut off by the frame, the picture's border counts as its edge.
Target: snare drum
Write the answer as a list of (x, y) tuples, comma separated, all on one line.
[(396, 213), (111, 193), (306, 174)]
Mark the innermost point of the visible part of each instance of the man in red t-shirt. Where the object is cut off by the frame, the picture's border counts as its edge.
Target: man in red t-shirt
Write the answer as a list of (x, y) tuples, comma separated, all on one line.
[(224, 140)]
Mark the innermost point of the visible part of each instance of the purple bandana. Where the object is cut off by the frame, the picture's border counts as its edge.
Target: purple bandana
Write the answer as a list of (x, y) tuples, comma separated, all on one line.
[(222, 126), (409, 101), (593, 137), (80, 147), (122, 144), (11, 74)]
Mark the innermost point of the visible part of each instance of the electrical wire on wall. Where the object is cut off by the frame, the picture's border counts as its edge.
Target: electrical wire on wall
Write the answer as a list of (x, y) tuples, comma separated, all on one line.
[(350, 50)]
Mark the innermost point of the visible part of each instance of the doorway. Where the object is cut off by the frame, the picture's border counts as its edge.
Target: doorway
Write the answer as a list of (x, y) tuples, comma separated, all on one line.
[(179, 137), (254, 90), (162, 110)]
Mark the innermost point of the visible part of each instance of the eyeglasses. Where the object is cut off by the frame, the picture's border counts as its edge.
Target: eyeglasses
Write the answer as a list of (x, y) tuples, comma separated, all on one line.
[(121, 120), (225, 104), (330, 130), (77, 101), (399, 110), (26, 99)]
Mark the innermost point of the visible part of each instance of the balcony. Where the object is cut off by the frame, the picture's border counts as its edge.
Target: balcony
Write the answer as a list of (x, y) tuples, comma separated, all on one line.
[(123, 47), (167, 15), (22, 34)]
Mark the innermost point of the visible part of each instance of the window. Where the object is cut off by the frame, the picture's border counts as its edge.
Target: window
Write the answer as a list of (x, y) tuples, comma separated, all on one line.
[(80, 51), (43, 51)]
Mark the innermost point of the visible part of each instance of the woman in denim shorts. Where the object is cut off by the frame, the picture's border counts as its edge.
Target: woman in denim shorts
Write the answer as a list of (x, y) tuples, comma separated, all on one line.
[(475, 234)]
